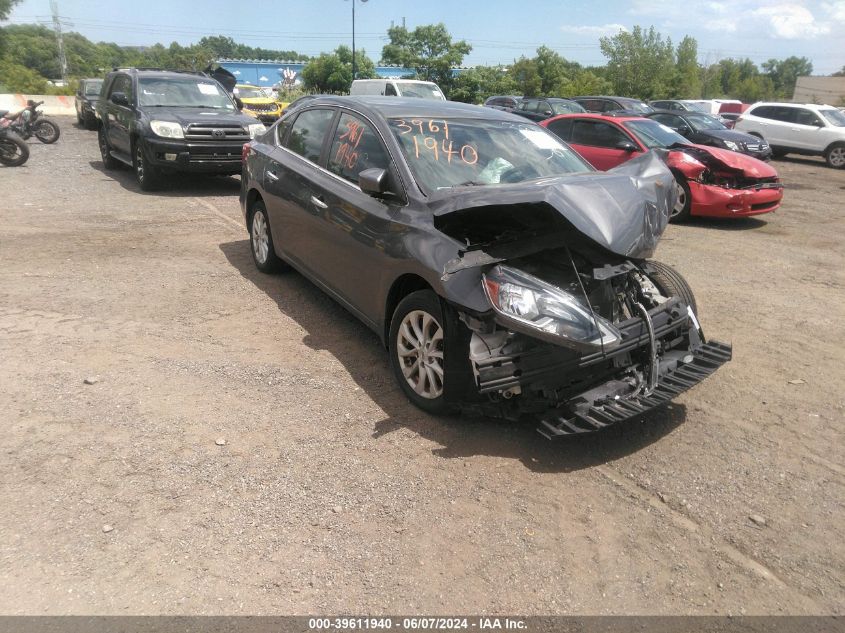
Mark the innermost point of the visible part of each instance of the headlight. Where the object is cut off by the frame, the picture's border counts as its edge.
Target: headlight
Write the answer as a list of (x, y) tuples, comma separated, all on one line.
[(731, 145), (255, 129), (543, 309), (167, 129)]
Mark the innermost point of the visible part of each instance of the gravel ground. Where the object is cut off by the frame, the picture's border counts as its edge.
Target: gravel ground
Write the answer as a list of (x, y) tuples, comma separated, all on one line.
[(244, 449)]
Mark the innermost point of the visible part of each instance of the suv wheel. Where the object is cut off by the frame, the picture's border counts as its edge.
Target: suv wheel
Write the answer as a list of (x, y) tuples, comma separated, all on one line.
[(109, 161), (835, 155), (149, 178), (681, 211)]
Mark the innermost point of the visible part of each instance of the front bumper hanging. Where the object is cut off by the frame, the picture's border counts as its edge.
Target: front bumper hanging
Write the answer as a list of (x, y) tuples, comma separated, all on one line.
[(707, 358)]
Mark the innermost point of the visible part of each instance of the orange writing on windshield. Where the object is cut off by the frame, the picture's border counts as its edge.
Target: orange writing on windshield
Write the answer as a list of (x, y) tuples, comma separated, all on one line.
[(431, 139), (346, 155)]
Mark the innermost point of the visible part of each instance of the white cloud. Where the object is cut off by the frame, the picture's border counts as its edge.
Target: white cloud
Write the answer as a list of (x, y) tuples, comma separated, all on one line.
[(836, 10), (791, 21), (720, 25), (605, 29)]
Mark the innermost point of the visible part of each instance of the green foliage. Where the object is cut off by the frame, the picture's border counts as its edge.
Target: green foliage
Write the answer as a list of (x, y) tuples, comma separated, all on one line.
[(550, 75), (686, 83), (18, 78), (429, 50), (225, 47), (332, 72), (784, 73), (6, 8), (640, 63), (476, 84)]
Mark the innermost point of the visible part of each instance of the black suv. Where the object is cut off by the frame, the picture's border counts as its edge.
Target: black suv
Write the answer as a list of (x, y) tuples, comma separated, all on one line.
[(614, 104), (542, 108), (160, 122)]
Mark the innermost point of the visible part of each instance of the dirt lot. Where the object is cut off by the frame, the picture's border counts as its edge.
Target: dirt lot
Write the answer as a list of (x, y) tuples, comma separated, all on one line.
[(332, 493)]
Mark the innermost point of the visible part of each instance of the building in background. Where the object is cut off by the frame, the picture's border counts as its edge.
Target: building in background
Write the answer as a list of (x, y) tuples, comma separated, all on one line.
[(829, 90)]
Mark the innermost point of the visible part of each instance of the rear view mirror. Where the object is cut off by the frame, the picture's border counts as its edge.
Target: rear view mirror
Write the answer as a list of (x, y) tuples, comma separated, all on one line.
[(373, 181), (626, 146)]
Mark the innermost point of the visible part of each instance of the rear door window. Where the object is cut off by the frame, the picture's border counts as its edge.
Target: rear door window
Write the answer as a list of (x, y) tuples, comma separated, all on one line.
[(562, 128), (308, 133), (597, 134), (802, 116), (355, 147)]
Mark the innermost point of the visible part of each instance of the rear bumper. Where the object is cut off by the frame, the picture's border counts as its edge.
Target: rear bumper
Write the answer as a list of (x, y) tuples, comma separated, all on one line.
[(205, 158), (712, 201)]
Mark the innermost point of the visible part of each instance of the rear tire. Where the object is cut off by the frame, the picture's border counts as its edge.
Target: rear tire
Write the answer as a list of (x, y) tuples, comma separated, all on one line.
[(835, 156), (672, 284), (109, 161), (14, 152), (46, 131), (261, 240), (681, 211)]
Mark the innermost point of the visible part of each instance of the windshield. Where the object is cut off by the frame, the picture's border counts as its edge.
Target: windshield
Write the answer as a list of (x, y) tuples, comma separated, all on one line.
[(701, 122), (187, 92), (562, 107), (93, 87), (466, 152), (653, 134), (834, 117), (420, 91), (249, 93)]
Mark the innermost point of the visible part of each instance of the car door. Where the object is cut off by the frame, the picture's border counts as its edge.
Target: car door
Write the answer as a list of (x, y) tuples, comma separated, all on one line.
[(528, 109), (355, 227), (120, 117), (599, 143), (677, 123), (805, 130), (773, 123), (292, 180)]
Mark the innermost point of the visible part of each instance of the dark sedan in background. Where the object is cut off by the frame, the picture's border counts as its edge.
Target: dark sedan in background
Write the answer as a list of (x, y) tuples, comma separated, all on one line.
[(704, 129), (541, 108), (87, 95), (505, 276), (613, 104)]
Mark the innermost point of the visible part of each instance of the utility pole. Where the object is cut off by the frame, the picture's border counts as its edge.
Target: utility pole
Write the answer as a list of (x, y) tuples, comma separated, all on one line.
[(354, 68), (57, 26)]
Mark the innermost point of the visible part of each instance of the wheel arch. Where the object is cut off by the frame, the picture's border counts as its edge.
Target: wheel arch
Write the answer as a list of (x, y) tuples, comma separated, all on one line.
[(401, 287), (252, 196)]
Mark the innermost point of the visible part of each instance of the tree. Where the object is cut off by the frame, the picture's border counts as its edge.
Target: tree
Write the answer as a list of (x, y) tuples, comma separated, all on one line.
[(477, 84), (6, 8), (332, 72), (640, 63), (687, 82), (429, 50), (785, 73)]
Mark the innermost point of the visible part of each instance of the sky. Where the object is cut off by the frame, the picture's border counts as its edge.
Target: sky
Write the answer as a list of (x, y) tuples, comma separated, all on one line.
[(498, 30)]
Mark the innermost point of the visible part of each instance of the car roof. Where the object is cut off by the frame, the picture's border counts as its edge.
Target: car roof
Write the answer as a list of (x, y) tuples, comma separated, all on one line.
[(397, 107), (611, 97), (597, 115), (793, 105)]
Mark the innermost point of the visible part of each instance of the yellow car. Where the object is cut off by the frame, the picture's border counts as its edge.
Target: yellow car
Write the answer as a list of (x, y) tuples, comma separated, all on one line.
[(257, 104)]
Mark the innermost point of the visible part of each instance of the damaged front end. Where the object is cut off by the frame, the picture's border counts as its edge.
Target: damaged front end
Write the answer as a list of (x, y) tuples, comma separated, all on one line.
[(581, 330)]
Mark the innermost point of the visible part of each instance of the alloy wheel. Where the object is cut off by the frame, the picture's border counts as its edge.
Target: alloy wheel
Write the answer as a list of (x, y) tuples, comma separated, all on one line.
[(260, 237), (680, 202), (139, 163), (837, 157), (419, 345)]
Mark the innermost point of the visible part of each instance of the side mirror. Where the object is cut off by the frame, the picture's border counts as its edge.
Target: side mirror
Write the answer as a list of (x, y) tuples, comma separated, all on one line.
[(239, 104), (626, 146), (373, 181), (683, 130), (119, 98), (547, 112)]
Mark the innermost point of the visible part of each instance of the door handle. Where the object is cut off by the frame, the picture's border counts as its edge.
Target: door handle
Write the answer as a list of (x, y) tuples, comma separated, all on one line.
[(318, 203), (271, 175)]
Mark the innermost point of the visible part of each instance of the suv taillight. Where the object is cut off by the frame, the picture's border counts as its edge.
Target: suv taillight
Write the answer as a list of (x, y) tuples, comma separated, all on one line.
[(247, 148)]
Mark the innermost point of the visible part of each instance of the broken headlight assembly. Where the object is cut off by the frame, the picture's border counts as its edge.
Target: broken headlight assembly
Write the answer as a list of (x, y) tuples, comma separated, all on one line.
[(534, 307)]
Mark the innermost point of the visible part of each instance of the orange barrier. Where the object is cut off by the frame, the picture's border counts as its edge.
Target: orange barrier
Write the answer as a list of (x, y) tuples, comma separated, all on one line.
[(53, 104)]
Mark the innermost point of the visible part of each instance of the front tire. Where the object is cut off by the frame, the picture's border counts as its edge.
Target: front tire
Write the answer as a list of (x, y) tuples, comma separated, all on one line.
[(148, 177), (672, 284), (261, 241), (681, 211), (418, 350), (835, 156), (14, 152), (46, 131)]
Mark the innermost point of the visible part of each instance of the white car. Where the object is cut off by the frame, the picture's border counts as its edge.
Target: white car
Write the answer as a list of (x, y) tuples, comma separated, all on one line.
[(798, 128)]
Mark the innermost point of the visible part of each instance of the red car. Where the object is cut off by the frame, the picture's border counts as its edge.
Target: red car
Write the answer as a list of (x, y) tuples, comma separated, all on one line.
[(711, 181)]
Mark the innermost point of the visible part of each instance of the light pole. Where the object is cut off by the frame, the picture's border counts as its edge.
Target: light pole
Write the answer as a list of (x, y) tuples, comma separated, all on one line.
[(354, 70)]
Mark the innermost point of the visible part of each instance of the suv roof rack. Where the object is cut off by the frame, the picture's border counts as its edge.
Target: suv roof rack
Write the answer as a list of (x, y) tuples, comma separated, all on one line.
[(162, 70)]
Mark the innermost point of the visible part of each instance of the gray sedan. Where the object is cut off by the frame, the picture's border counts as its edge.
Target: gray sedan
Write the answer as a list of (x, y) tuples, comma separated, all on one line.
[(505, 276)]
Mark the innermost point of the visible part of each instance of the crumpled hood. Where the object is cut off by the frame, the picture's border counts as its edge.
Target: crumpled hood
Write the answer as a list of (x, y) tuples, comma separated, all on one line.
[(748, 165), (624, 210), (186, 116)]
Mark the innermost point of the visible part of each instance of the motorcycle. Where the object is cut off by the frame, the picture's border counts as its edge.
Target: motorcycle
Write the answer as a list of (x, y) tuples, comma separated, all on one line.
[(13, 150), (29, 122)]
